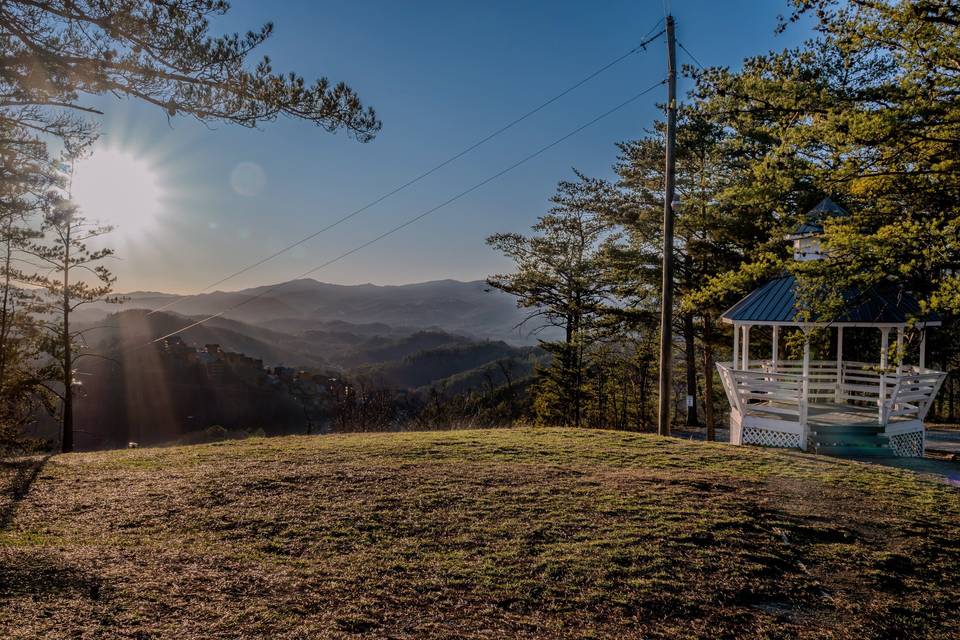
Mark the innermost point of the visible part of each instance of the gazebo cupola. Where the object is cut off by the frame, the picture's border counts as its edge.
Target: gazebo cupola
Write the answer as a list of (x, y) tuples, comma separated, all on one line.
[(835, 406), (806, 237)]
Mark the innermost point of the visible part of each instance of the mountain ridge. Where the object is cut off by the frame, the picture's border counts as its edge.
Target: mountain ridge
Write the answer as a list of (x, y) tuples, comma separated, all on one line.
[(469, 308)]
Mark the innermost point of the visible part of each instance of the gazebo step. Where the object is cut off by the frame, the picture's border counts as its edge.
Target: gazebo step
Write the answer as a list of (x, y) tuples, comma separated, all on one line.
[(845, 429), (847, 451), (853, 439)]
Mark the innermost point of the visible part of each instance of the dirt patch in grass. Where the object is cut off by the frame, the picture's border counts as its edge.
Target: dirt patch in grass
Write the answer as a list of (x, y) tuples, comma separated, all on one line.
[(477, 534)]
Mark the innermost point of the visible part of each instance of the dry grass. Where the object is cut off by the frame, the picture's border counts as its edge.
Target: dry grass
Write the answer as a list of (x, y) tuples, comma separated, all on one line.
[(475, 534)]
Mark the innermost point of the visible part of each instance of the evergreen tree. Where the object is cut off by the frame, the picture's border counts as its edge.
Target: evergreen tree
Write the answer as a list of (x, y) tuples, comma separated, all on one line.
[(25, 177), (708, 240), (54, 51), (75, 276), (867, 114), (560, 278)]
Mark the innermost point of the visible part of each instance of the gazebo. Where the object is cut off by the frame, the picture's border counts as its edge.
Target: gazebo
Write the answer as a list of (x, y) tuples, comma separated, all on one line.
[(837, 406)]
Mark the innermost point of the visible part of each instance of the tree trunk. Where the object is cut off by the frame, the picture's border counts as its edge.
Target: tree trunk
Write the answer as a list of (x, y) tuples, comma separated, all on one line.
[(565, 378), (952, 385), (578, 383), (689, 339), (595, 400), (6, 317), (578, 368), (643, 396), (708, 380), (67, 440), (629, 395)]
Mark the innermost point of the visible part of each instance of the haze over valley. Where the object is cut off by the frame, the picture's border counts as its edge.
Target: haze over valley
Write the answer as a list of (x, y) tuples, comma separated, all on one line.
[(471, 309)]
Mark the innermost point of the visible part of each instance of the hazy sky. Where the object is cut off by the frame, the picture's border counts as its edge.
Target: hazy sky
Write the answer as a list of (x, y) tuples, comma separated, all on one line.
[(441, 74)]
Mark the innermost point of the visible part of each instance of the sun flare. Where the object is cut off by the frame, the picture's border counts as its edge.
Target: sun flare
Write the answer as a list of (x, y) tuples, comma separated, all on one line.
[(118, 188)]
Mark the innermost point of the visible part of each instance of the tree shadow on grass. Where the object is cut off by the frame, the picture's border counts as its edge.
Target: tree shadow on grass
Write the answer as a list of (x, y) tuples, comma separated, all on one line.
[(22, 473), (40, 575), (32, 571)]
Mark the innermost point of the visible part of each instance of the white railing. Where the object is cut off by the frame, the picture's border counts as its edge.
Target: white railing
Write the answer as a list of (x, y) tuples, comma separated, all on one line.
[(901, 390), (768, 407), (912, 395)]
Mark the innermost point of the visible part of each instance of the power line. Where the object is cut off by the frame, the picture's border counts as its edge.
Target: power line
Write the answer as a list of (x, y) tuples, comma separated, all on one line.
[(653, 28), (640, 47), (692, 57), (416, 218)]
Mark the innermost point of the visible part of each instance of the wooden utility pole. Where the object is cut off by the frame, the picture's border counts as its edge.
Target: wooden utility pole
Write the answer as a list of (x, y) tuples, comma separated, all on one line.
[(666, 297)]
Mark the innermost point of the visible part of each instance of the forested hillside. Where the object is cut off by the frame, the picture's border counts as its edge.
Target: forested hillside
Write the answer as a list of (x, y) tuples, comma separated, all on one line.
[(242, 377)]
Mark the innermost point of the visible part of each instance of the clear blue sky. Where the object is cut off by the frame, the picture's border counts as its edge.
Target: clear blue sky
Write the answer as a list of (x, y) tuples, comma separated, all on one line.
[(441, 75)]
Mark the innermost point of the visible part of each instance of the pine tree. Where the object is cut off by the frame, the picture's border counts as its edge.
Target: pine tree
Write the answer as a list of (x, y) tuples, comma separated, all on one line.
[(75, 277), (163, 53), (708, 239), (560, 278), (24, 174), (867, 114)]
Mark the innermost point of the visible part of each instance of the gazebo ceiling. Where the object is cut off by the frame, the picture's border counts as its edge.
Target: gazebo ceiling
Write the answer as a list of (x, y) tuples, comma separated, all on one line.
[(776, 303)]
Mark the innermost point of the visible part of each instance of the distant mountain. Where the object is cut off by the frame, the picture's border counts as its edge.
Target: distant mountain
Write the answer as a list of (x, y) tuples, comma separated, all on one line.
[(464, 308), (411, 360), (387, 350), (136, 328), (464, 365), (305, 325)]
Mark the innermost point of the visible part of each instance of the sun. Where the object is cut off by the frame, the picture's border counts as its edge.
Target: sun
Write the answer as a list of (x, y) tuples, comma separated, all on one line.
[(119, 188)]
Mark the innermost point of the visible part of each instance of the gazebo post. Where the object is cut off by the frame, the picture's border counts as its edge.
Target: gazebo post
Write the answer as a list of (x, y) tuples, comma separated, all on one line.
[(899, 350), (923, 349), (805, 389), (736, 344), (776, 347), (884, 346), (837, 397), (746, 347)]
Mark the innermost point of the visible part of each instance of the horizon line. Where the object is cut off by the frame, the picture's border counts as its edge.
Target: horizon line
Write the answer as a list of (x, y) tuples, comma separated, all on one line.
[(273, 284)]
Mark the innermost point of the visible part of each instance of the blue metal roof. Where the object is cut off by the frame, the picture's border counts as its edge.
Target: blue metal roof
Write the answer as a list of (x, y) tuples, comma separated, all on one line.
[(826, 207), (813, 224), (776, 301), (807, 229)]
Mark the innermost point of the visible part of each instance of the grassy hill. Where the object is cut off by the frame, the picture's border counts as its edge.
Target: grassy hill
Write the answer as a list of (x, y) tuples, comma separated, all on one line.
[(475, 534)]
